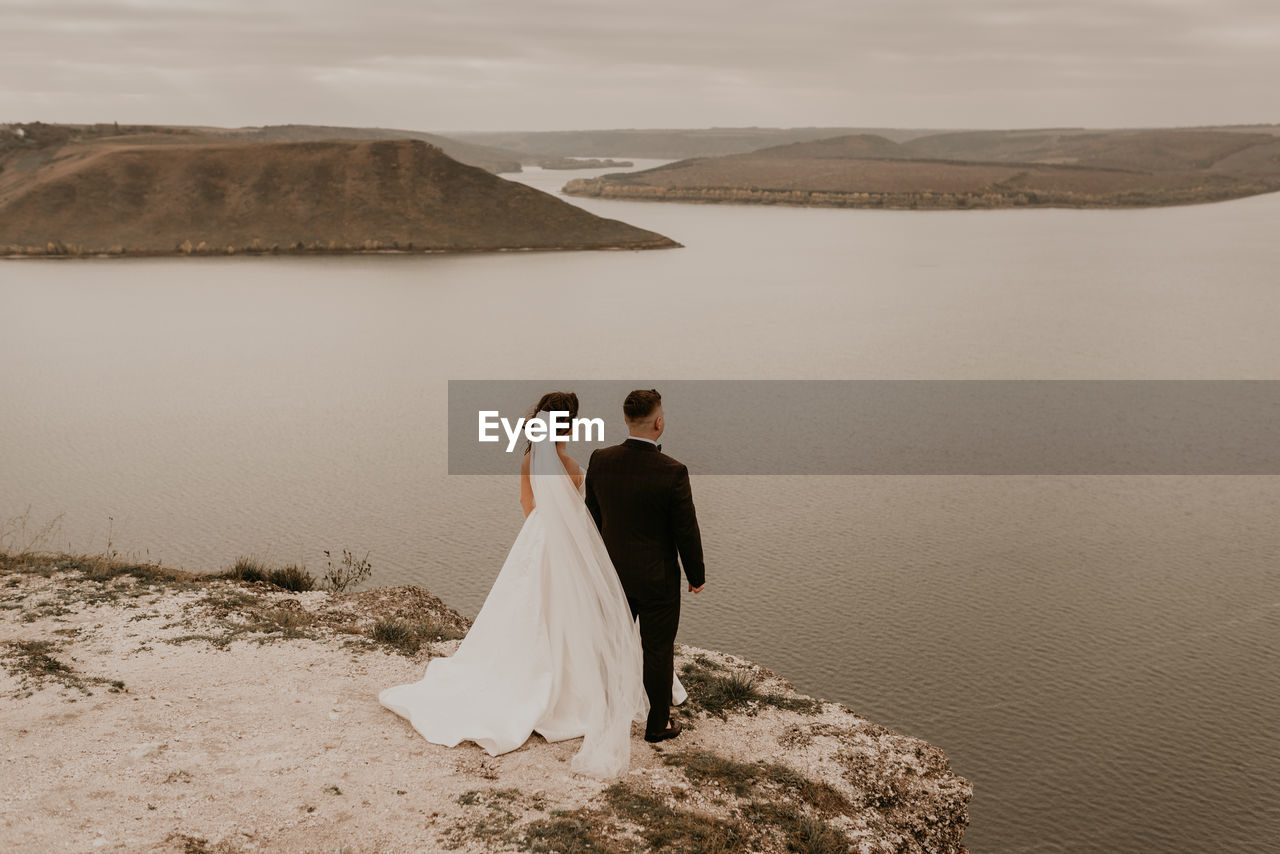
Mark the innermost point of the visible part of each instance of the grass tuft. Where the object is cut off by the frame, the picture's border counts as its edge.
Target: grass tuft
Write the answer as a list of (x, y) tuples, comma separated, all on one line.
[(397, 634), (253, 570), (294, 578), (408, 636), (718, 691), (248, 569)]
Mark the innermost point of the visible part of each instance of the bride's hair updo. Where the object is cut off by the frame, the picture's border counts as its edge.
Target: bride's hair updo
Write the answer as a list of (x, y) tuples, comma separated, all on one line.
[(554, 401)]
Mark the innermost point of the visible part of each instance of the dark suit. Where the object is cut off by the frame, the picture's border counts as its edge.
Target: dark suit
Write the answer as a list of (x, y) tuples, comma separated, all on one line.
[(641, 502)]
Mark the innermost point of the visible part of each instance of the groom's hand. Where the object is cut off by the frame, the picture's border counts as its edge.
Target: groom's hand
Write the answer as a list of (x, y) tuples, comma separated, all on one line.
[(697, 589)]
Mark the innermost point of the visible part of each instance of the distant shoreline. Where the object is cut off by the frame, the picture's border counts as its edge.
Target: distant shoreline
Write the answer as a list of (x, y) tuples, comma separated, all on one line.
[(302, 253), (598, 188)]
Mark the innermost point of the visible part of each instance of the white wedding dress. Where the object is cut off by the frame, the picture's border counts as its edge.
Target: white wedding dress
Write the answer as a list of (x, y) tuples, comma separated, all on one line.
[(554, 649)]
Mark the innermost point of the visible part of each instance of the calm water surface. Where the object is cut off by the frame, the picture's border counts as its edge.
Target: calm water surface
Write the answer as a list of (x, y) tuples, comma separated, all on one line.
[(1100, 655)]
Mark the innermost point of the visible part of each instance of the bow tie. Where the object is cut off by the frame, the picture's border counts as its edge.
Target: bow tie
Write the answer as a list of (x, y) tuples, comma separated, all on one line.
[(659, 446)]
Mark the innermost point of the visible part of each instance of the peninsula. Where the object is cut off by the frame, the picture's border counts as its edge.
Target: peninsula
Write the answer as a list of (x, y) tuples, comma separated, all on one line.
[(77, 191), (975, 169)]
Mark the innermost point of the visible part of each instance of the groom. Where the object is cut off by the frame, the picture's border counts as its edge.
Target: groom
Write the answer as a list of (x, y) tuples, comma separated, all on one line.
[(642, 504)]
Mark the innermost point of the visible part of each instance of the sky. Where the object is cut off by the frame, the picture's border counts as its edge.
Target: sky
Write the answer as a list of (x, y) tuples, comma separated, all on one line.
[(454, 65)]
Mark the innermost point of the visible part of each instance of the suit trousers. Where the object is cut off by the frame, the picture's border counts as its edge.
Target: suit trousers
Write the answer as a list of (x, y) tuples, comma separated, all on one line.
[(659, 620)]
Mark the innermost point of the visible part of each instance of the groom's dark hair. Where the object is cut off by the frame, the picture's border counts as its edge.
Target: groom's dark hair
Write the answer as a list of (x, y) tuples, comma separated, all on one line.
[(640, 404)]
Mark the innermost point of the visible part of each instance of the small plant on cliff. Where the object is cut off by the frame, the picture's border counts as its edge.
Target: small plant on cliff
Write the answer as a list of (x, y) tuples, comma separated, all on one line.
[(347, 573), (397, 634), (292, 577), (248, 569), (718, 692), (408, 636)]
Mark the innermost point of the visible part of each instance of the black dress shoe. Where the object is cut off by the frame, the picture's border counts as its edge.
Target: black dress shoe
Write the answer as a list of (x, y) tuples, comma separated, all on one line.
[(672, 730)]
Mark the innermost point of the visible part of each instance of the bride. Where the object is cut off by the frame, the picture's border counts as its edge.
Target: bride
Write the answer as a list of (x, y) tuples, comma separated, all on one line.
[(554, 649)]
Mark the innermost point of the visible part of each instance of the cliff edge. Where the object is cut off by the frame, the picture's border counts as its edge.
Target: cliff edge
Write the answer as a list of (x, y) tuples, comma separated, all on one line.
[(149, 709)]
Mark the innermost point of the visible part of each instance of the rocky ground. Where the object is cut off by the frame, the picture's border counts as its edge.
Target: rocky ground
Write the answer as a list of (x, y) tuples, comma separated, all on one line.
[(147, 709)]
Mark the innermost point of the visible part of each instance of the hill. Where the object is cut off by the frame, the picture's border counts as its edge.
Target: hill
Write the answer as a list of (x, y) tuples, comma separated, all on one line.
[(184, 712), (164, 191), (665, 144), (486, 157), (1060, 168), (1134, 150)]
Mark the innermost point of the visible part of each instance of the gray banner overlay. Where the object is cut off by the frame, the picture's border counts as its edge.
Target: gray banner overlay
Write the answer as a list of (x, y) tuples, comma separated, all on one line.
[(893, 427)]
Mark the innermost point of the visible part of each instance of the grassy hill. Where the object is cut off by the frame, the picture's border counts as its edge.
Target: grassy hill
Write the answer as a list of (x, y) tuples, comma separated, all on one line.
[(1062, 168), (153, 191)]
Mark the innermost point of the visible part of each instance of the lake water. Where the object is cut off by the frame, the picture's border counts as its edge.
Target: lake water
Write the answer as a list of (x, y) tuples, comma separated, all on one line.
[(1099, 654)]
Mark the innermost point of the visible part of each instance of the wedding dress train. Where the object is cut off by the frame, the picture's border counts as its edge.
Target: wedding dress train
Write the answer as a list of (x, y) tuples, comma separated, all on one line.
[(554, 649)]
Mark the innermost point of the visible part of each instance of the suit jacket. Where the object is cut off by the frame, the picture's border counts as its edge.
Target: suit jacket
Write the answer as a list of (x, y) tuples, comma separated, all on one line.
[(641, 502)]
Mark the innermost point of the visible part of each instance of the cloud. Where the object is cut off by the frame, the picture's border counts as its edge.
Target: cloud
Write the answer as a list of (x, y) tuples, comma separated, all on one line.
[(446, 64)]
